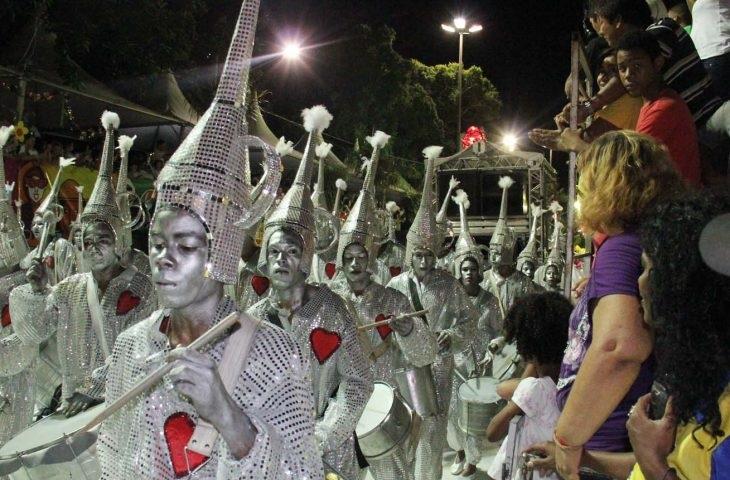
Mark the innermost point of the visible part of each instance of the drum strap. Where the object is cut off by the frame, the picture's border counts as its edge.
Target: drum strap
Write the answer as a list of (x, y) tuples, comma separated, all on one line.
[(231, 365), (415, 299)]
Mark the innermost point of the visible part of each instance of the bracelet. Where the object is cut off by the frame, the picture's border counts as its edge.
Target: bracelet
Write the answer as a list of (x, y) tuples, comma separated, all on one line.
[(563, 444)]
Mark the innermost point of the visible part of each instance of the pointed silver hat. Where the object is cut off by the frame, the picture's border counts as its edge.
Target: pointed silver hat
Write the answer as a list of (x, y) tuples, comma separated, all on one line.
[(465, 246), (424, 231)]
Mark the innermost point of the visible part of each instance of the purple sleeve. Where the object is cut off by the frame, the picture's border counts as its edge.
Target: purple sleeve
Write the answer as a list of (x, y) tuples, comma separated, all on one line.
[(617, 267)]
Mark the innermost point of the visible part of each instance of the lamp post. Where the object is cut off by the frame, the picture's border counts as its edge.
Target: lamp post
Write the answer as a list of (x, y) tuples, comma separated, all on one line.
[(459, 26)]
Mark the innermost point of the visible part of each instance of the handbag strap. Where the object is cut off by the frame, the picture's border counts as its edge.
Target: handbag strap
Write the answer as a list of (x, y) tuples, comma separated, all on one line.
[(231, 365)]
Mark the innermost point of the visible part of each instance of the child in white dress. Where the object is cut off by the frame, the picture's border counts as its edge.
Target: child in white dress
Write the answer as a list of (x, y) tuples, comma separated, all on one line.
[(538, 324)]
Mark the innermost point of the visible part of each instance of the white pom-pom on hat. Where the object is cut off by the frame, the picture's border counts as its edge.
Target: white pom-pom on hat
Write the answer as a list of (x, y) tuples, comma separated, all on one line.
[(9, 188), (392, 207), (340, 184), (378, 140), (283, 147), (461, 197), (5, 134), (555, 207), (505, 182), (316, 118), (125, 143), (65, 162), (323, 149), (109, 119), (432, 152), (536, 210)]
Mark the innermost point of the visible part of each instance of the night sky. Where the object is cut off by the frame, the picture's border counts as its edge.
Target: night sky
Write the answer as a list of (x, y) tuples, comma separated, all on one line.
[(524, 48)]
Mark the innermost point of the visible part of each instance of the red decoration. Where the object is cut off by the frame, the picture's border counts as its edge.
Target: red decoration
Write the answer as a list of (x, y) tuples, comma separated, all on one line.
[(259, 284), (6, 320), (179, 427), (330, 270), (49, 261), (127, 302), (324, 343), (395, 271), (473, 134), (383, 330)]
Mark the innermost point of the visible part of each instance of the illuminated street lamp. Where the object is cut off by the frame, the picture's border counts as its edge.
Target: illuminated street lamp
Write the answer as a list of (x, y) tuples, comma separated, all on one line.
[(460, 26), (292, 51), (510, 142)]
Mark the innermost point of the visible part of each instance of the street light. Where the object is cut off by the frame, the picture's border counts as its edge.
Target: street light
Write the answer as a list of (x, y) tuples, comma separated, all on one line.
[(291, 51), (510, 142), (460, 26)]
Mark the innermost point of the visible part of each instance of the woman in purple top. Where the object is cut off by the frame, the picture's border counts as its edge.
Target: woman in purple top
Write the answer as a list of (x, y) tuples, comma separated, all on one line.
[(607, 364)]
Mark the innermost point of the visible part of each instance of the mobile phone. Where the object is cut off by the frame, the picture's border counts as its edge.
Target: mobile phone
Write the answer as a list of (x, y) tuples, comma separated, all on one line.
[(659, 397)]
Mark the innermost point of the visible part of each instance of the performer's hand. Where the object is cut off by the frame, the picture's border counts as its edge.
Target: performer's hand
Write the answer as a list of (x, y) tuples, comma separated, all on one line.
[(546, 464), (652, 440), (444, 340), (36, 275), (78, 403), (404, 326)]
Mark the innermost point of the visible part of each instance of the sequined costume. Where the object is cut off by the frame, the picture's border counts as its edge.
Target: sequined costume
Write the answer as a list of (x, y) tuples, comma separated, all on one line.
[(273, 390), (341, 380), (250, 287), (507, 290), (392, 253), (390, 351), (451, 310)]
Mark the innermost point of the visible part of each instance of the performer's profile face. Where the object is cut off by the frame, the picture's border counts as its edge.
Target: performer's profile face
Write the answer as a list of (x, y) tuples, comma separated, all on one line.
[(37, 226), (355, 262), (99, 243), (283, 259), (469, 272), (178, 251), (528, 268), (423, 262)]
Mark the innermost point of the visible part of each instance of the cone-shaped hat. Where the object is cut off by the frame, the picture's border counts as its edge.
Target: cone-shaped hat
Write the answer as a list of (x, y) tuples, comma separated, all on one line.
[(125, 236), (319, 199), (295, 211), (358, 228), (465, 245), (503, 237), (530, 253), (424, 231)]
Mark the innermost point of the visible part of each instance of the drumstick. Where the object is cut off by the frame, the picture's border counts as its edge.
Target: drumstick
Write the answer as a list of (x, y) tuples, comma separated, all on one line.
[(458, 374), (154, 377), (388, 320)]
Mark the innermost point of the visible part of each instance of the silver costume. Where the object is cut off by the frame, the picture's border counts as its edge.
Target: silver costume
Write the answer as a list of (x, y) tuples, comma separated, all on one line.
[(273, 390), (250, 287), (450, 310), (392, 253), (325, 331), (507, 290)]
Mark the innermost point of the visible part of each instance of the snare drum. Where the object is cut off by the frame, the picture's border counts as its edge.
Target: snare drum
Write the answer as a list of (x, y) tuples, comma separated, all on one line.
[(478, 404), (51, 449), (505, 363), (417, 387), (385, 423)]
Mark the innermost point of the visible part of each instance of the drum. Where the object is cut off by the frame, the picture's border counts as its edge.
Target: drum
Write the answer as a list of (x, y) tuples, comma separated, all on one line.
[(51, 449), (385, 423), (478, 404), (417, 387), (505, 362)]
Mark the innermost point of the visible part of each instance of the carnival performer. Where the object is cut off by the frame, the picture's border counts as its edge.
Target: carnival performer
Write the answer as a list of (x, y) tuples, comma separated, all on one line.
[(316, 317), (504, 281), (86, 311), (58, 262), (16, 360), (399, 344), (75, 234), (324, 269), (469, 270), (243, 403), (392, 252), (552, 277), (130, 255), (451, 317), (529, 259)]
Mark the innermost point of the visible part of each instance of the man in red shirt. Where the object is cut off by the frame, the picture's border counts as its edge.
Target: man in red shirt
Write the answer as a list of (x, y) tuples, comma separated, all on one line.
[(664, 115)]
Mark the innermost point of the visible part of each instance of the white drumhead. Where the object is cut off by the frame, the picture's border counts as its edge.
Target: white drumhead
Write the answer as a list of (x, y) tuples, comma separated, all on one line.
[(479, 390), (48, 430), (377, 408)]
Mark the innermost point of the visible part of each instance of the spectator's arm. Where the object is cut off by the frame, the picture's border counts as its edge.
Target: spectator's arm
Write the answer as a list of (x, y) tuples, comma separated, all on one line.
[(499, 425), (613, 464)]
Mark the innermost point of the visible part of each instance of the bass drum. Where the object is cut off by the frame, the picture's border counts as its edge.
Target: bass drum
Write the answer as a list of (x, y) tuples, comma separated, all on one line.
[(52, 449)]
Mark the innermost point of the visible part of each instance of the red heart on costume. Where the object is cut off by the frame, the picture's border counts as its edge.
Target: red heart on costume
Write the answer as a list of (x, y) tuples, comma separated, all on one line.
[(330, 270), (394, 271), (6, 316), (50, 261), (383, 330), (179, 427), (324, 343), (126, 302), (260, 284)]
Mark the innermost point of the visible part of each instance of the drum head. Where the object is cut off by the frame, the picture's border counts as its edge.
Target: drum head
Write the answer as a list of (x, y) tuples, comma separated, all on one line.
[(479, 390), (50, 435), (376, 410)]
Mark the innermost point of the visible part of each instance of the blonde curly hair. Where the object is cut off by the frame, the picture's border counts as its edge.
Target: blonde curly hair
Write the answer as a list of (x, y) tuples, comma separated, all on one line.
[(622, 175)]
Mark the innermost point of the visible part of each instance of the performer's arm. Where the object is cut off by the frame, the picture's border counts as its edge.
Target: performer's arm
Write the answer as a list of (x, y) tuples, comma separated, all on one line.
[(356, 385), (462, 318), (34, 321), (419, 346)]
